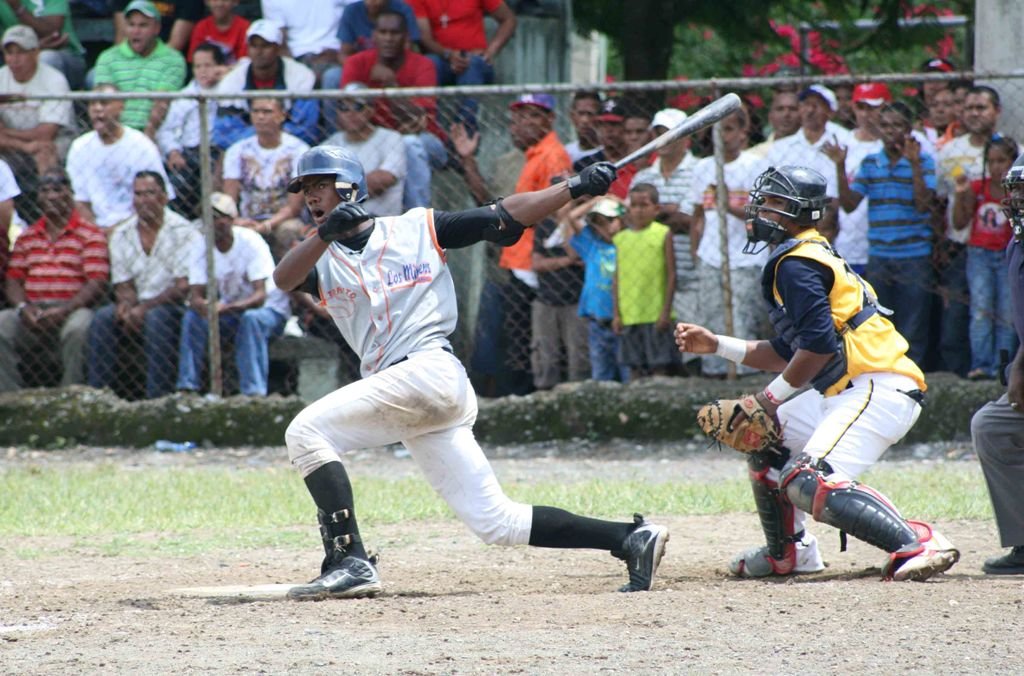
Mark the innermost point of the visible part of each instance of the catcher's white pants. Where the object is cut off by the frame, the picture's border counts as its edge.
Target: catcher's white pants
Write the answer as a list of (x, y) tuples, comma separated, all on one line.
[(852, 429), (427, 403)]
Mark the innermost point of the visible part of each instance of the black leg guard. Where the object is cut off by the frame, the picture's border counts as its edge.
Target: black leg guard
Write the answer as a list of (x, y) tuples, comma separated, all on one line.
[(338, 541), (849, 506), (775, 513), (332, 492)]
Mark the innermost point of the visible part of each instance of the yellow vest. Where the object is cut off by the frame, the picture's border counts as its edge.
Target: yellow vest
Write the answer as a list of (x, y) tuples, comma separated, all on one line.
[(875, 346)]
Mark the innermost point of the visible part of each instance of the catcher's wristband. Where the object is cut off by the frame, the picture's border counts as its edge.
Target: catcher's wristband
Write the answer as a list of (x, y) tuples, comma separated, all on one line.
[(733, 349), (779, 390)]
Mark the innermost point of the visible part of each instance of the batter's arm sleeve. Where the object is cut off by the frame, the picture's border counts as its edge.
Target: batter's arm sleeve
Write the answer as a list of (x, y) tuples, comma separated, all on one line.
[(458, 229)]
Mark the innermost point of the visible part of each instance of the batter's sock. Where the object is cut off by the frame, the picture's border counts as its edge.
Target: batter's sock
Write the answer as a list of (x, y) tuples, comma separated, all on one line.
[(559, 529), (332, 491)]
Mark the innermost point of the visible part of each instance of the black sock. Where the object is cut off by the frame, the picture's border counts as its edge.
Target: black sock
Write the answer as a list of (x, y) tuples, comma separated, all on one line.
[(559, 529), (332, 491)]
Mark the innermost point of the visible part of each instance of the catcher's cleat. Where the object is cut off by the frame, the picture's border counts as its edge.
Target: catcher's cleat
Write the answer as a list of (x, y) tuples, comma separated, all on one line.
[(935, 554), (756, 562), (642, 551), (351, 578)]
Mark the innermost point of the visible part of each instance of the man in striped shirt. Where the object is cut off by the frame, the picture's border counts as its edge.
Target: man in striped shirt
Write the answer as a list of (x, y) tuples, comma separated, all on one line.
[(57, 272)]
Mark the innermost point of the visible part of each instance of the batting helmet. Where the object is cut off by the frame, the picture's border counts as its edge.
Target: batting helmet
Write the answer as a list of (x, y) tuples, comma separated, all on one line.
[(802, 189), (1013, 202), (349, 177)]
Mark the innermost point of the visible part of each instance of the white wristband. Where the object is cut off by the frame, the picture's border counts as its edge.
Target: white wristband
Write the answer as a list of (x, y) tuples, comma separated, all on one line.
[(733, 349), (779, 390)]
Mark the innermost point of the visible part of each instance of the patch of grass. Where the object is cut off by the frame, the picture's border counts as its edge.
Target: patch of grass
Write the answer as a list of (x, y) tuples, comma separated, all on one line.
[(112, 510)]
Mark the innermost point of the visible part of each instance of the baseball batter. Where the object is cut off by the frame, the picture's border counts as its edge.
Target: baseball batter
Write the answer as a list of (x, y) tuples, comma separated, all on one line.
[(865, 394), (386, 283)]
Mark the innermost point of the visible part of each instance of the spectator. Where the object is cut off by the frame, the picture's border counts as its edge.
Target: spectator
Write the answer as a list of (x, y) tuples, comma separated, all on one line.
[(611, 133), (964, 154), (310, 29), (58, 270), (582, 113), (593, 244), (51, 22), (899, 184), (224, 29), (424, 153), (740, 171), (941, 125), (453, 36), (178, 136), (783, 120), (844, 117), (636, 128), (251, 309), (148, 266), (34, 134), (177, 19), (930, 87), (672, 174), (142, 63), (978, 204), (103, 163), (559, 350), (380, 151), (357, 25), (8, 191), (256, 174), (643, 287), (266, 68)]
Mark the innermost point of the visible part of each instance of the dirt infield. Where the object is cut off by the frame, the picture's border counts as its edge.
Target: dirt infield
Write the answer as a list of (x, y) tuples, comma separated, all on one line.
[(452, 605)]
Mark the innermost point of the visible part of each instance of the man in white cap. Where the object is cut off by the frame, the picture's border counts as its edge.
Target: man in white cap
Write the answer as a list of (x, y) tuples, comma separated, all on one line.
[(266, 67), (142, 63)]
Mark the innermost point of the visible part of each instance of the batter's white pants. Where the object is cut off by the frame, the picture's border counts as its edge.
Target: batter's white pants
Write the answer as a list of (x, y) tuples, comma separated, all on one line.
[(428, 404)]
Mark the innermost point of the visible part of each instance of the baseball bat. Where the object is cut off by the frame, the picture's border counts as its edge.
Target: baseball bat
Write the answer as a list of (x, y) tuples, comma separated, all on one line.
[(705, 117)]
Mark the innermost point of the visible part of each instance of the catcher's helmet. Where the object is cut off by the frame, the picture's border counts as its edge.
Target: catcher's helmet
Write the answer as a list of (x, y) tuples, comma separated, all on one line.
[(349, 177), (802, 189), (1013, 202)]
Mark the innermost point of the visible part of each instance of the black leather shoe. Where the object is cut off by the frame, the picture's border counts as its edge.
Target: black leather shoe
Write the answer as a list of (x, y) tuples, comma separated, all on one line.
[(1011, 563)]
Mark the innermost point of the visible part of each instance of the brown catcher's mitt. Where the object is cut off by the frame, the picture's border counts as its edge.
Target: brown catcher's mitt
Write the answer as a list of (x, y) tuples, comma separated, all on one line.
[(752, 432)]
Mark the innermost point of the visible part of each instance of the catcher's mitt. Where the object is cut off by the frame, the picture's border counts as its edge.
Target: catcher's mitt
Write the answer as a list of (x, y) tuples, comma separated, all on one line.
[(753, 432)]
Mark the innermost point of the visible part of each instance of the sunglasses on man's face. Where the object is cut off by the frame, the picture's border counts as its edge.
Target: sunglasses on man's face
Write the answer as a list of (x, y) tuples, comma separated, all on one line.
[(352, 105)]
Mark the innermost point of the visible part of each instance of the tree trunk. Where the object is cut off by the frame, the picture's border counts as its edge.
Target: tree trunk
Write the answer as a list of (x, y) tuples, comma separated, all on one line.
[(647, 38)]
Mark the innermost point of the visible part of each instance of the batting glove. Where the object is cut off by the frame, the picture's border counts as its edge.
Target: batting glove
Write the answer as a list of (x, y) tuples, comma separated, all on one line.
[(341, 220), (593, 180)]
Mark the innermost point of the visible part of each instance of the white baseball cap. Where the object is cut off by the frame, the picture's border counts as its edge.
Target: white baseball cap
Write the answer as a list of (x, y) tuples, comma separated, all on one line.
[(266, 29), (670, 118), (223, 203), (822, 92)]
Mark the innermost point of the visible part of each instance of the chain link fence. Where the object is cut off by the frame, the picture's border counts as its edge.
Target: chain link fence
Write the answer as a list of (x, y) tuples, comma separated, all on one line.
[(557, 309)]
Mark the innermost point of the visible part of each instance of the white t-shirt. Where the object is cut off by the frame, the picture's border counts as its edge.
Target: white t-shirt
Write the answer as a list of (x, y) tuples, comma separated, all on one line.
[(31, 113), (263, 172), (247, 261), (180, 128), (796, 150), (957, 153), (102, 174), (8, 186), (739, 176), (312, 24), (852, 240), (384, 150), (577, 153), (169, 258)]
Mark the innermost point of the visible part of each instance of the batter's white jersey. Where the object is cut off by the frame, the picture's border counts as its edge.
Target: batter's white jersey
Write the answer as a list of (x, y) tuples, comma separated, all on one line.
[(395, 297)]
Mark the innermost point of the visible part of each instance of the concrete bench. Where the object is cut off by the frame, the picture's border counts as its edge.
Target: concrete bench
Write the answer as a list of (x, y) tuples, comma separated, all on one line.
[(315, 359)]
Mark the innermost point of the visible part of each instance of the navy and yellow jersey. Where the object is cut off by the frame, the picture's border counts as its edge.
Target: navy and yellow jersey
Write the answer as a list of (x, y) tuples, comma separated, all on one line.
[(823, 299)]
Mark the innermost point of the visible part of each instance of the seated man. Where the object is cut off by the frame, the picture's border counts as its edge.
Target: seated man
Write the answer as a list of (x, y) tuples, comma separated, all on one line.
[(51, 22), (34, 134), (251, 309), (266, 67), (177, 19), (256, 171), (142, 63), (103, 163), (57, 272), (148, 267), (380, 151), (357, 23), (310, 29)]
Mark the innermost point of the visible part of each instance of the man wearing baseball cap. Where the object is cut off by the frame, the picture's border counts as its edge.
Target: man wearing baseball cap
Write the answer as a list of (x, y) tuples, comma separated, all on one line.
[(266, 67), (609, 123), (142, 63), (177, 19), (51, 23)]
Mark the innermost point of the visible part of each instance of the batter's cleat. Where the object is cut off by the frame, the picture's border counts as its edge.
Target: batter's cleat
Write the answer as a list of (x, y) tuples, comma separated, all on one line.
[(351, 578), (756, 562), (933, 555), (642, 551)]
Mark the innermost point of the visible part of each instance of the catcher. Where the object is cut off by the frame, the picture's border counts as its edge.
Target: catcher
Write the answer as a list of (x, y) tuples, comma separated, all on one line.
[(806, 449)]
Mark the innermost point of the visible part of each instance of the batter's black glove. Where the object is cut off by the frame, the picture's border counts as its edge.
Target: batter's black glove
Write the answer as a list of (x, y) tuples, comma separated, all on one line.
[(593, 180), (342, 218)]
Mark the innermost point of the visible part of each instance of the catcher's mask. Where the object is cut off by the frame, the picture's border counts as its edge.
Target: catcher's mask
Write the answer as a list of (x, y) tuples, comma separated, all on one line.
[(802, 190), (1013, 202), (349, 178)]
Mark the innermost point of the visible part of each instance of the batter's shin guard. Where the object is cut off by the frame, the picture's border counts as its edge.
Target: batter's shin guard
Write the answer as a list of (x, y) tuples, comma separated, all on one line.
[(775, 513), (337, 538)]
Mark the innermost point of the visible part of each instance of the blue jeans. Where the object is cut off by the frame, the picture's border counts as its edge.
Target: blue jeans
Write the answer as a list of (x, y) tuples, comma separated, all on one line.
[(991, 324), (604, 353), (251, 331), (159, 343), (479, 72), (954, 335), (904, 285)]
